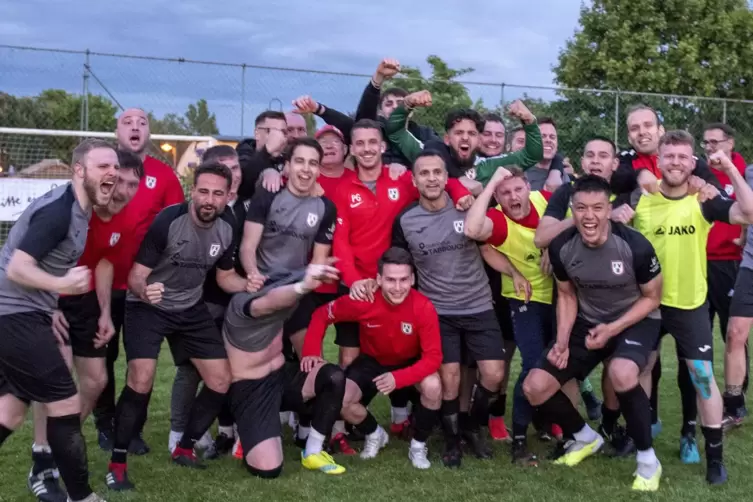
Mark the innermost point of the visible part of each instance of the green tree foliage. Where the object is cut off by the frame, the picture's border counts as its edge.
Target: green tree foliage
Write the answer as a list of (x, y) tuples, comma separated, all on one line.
[(197, 120)]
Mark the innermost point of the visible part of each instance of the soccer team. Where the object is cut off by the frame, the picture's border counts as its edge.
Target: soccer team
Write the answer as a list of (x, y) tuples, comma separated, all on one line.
[(433, 257)]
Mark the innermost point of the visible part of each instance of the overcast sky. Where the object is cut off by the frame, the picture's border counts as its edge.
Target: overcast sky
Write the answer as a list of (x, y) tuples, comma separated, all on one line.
[(504, 40)]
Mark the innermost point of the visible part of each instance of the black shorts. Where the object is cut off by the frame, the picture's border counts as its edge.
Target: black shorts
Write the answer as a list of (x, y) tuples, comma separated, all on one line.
[(479, 333), (31, 365), (346, 333), (501, 305), (742, 299), (82, 313), (363, 370), (634, 344), (691, 330), (721, 280), (191, 333), (256, 404)]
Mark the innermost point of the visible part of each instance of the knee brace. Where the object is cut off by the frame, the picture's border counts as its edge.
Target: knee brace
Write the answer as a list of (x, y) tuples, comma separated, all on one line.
[(702, 375), (264, 474), (329, 377)]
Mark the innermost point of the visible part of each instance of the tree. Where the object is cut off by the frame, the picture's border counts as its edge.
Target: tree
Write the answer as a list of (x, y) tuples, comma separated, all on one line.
[(446, 92), (197, 120), (679, 47)]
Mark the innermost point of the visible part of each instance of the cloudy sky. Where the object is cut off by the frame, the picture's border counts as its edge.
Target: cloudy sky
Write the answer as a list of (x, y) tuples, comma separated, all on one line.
[(504, 40)]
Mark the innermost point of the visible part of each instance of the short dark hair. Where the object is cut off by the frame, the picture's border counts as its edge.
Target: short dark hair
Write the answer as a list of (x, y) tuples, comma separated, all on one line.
[(590, 183), (429, 152), (218, 152), (213, 168), (269, 114), (398, 92), (726, 129), (547, 120), (493, 117), (640, 107), (129, 160), (677, 137), (395, 256), (605, 140), (366, 124), (304, 141), (86, 146), (459, 114)]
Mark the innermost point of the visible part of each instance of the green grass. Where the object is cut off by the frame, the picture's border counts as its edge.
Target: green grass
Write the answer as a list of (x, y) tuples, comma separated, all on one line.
[(390, 476)]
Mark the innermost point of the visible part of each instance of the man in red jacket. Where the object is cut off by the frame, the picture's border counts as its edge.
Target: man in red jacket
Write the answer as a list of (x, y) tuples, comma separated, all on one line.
[(400, 348)]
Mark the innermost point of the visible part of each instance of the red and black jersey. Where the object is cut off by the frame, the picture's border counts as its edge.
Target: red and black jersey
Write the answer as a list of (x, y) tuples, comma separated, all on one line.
[(720, 245), (625, 178)]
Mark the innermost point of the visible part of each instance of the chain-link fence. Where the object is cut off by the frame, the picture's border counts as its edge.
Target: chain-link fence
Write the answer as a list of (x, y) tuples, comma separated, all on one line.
[(84, 90)]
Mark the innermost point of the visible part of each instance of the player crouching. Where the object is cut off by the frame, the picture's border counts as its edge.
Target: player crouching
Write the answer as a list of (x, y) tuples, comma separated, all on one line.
[(400, 347)]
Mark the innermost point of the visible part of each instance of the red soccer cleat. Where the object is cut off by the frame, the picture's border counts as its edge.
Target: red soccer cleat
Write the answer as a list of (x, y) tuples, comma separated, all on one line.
[(339, 444), (498, 430), (403, 430), (557, 432), (238, 450)]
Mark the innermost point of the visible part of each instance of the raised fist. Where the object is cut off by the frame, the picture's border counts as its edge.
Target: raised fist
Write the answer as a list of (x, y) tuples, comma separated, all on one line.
[(305, 104), (418, 99), (387, 69), (520, 111)]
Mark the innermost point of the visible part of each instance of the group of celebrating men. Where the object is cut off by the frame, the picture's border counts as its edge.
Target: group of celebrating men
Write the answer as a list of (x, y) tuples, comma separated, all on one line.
[(434, 257)]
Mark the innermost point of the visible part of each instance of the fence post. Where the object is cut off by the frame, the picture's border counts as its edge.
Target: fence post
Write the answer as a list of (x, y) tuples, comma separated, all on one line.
[(84, 116), (502, 97), (616, 116), (243, 96), (724, 111)]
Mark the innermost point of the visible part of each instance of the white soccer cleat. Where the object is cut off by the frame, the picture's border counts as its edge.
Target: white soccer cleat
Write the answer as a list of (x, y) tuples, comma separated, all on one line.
[(418, 456), (374, 442), (205, 442)]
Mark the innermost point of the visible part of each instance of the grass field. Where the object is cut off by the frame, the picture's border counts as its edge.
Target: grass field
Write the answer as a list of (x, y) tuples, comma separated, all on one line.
[(390, 476)]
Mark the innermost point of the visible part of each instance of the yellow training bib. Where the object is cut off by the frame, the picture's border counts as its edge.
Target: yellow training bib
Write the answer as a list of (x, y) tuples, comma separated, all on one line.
[(678, 231), (520, 250)]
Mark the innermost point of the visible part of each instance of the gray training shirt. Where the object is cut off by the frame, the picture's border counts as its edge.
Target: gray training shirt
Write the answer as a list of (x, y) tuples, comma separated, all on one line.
[(52, 230), (748, 249), (449, 265), (180, 253), (607, 279), (254, 334), (292, 225)]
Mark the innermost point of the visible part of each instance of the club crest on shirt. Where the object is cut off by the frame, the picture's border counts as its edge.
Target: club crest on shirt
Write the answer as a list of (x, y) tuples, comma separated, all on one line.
[(214, 250), (471, 173), (617, 267), (311, 219), (729, 189), (407, 328), (151, 182), (458, 224), (114, 238), (393, 193)]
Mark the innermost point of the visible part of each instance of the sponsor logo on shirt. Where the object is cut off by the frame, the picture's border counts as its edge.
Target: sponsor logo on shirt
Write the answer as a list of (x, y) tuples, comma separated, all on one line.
[(151, 182), (355, 200), (458, 224), (654, 266), (618, 268), (675, 230), (114, 238), (393, 193), (407, 328), (214, 250), (311, 219)]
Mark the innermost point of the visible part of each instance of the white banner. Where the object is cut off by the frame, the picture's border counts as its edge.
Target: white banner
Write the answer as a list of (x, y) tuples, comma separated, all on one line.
[(17, 193)]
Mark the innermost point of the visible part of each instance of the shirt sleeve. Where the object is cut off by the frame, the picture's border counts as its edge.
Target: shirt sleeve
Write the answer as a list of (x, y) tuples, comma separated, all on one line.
[(427, 324), (529, 156), (717, 209), (559, 203), (326, 231), (155, 241), (456, 189), (48, 227), (227, 259), (258, 207), (398, 236), (344, 309), (338, 119), (645, 262), (499, 227), (555, 247), (341, 247), (173, 190), (703, 171), (400, 137)]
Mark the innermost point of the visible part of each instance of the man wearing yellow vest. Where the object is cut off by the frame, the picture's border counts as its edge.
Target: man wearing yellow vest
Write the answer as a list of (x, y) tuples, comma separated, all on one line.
[(678, 225), (510, 228)]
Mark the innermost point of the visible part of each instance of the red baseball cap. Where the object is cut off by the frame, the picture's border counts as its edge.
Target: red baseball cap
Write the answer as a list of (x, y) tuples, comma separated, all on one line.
[(329, 128)]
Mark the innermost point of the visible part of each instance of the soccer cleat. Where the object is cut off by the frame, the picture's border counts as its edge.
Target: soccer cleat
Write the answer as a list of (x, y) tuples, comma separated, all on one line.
[(46, 487), (497, 429), (374, 443), (618, 444), (655, 429), (339, 444), (592, 404), (402, 430), (522, 456), (91, 498), (716, 473), (650, 484), (557, 432), (452, 456), (419, 456), (689, 450), (138, 446), (238, 450), (222, 445), (321, 461), (187, 458), (117, 478), (105, 439), (577, 451), (475, 441), (734, 419), (205, 442)]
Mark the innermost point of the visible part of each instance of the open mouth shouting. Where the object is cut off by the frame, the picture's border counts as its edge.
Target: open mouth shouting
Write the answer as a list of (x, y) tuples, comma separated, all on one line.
[(464, 149)]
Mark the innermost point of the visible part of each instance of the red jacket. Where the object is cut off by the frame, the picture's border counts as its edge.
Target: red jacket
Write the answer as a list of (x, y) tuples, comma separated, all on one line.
[(719, 245), (394, 335), (364, 220)]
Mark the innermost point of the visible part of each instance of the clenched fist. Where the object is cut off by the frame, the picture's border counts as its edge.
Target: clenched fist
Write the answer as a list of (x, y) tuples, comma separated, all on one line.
[(305, 104), (520, 111), (153, 292), (75, 281), (387, 69), (418, 99)]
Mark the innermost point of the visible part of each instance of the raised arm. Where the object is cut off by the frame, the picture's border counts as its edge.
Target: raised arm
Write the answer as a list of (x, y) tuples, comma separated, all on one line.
[(396, 128)]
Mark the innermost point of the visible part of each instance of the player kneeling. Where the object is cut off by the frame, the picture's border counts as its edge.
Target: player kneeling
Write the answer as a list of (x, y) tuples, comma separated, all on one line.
[(400, 347), (264, 384)]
